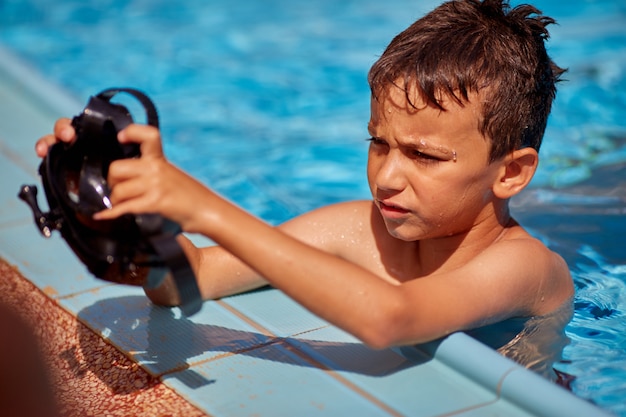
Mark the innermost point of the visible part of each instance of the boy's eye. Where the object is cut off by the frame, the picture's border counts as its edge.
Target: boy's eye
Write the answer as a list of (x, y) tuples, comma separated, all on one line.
[(424, 156), (412, 153), (376, 141)]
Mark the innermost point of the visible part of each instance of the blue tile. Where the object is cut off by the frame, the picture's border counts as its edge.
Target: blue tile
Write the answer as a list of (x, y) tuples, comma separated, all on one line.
[(162, 339), (339, 351), (381, 372), (497, 408), (273, 381), (19, 131), (441, 390), (276, 312), (12, 176), (49, 263)]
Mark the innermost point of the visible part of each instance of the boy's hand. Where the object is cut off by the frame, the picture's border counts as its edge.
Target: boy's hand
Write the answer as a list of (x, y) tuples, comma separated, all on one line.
[(150, 184), (63, 132)]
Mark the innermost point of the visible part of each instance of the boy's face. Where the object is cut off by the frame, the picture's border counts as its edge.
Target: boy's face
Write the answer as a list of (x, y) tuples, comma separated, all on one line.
[(428, 170)]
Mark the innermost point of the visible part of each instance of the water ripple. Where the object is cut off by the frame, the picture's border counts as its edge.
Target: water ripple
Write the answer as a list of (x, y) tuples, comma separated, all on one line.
[(597, 353)]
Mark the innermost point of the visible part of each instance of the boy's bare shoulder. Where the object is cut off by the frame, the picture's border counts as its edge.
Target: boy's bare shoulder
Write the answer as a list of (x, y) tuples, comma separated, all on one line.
[(349, 208), (540, 274), (342, 215), (328, 226)]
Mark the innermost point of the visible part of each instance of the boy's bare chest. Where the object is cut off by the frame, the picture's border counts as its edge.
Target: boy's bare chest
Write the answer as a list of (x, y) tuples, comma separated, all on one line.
[(389, 258)]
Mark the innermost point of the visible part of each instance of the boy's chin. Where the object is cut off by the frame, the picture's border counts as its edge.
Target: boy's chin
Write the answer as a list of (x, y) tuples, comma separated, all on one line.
[(413, 233), (404, 233)]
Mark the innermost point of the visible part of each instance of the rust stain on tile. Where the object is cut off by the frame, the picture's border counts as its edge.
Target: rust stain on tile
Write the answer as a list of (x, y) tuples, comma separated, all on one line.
[(88, 375), (50, 291)]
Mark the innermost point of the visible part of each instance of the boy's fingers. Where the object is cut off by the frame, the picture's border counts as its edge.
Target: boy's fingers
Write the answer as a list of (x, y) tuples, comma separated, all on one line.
[(110, 214), (124, 170), (64, 130), (43, 144), (148, 138)]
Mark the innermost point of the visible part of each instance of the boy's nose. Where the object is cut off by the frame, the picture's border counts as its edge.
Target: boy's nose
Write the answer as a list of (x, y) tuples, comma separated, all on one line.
[(391, 174)]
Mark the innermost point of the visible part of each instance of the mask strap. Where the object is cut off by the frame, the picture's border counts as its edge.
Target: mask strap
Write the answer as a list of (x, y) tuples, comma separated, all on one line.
[(170, 252), (152, 117)]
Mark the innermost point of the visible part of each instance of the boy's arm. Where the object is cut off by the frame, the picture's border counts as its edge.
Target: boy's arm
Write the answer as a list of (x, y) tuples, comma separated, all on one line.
[(519, 277), (218, 273), (506, 279)]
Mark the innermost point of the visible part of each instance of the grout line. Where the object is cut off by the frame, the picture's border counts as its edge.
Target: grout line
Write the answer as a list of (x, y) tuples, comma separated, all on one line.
[(270, 342), (302, 355), (96, 288), (466, 409), (311, 330), (245, 318), (333, 374), (501, 382)]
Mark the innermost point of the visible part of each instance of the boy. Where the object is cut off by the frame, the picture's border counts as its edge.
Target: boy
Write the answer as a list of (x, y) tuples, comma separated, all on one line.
[(459, 106)]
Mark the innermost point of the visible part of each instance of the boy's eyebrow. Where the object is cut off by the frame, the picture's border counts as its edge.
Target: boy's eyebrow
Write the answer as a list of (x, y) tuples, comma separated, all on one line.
[(441, 151)]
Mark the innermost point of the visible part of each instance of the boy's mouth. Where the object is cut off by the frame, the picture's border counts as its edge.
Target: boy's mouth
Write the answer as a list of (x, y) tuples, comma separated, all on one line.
[(390, 209)]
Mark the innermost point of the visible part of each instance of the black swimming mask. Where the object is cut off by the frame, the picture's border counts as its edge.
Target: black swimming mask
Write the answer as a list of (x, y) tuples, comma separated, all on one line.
[(132, 249)]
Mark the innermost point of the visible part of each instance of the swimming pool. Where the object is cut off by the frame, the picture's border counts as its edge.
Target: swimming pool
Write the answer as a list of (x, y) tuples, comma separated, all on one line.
[(268, 102)]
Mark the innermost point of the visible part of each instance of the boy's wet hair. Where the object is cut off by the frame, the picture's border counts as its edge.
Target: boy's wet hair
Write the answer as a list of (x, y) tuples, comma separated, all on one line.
[(484, 47)]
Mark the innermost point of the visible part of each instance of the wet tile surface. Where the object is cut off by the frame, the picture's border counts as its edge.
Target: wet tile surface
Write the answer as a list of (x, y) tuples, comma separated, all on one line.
[(48, 263), (161, 339), (381, 372), (275, 312), (274, 380)]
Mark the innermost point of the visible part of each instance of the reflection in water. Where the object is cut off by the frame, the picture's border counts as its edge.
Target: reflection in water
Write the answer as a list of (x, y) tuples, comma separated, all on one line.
[(536, 343)]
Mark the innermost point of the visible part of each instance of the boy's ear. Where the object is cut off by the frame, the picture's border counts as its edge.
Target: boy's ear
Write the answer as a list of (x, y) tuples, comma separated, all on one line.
[(518, 168)]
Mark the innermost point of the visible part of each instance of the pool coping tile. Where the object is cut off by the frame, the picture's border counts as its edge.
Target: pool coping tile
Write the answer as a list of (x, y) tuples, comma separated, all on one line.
[(50, 265), (274, 380), (161, 339), (12, 176), (381, 372), (275, 312)]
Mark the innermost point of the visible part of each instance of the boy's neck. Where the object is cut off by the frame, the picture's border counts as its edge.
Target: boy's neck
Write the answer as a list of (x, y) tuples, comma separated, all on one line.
[(449, 252)]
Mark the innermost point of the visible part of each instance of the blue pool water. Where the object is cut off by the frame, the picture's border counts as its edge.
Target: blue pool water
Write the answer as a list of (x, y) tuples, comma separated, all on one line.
[(267, 102)]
